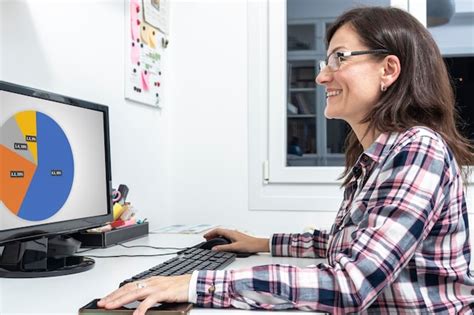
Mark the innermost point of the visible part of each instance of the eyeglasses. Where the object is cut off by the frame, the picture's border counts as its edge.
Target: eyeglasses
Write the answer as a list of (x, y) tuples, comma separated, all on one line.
[(334, 60)]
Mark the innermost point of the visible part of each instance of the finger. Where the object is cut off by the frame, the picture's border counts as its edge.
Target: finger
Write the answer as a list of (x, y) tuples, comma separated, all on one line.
[(114, 294), (124, 299), (145, 305), (133, 293), (215, 233)]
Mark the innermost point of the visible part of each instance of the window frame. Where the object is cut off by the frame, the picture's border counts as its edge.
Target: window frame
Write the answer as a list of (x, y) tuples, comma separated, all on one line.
[(306, 188), (277, 78)]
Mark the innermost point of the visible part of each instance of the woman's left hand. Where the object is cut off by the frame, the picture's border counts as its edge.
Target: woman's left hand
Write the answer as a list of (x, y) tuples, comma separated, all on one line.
[(152, 290)]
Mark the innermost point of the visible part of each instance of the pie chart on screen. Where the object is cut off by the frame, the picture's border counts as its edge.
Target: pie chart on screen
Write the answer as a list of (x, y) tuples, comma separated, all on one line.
[(36, 164)]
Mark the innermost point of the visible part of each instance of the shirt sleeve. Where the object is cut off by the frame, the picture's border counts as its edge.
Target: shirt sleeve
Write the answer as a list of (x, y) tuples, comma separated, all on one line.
[(300, 245), (192, 297), (270, 247), (397, 218)]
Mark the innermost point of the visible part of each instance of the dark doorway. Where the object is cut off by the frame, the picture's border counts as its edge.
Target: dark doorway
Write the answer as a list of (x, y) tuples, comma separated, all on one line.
[(462, 74)]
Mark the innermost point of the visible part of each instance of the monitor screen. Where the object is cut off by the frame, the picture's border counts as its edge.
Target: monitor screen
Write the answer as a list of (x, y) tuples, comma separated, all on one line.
[(54, 163)]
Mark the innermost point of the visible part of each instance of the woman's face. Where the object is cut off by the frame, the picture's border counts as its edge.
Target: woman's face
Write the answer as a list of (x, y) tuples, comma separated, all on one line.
[(353, 89)]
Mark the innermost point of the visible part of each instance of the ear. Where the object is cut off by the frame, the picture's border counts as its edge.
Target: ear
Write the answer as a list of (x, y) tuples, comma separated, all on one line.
[(391, 70)]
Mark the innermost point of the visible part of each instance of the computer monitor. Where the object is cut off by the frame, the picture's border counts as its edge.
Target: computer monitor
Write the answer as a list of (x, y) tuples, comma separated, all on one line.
[(55, 179)]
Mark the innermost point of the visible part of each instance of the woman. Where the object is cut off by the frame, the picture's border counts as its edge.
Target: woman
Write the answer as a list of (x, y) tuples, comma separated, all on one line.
[(400, 241)]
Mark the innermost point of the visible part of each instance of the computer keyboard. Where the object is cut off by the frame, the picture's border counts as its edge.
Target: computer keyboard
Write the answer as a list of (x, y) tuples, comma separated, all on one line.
[(186, 262)]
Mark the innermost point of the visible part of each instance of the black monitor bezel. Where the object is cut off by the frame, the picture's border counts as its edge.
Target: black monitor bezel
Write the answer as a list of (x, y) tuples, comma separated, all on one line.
[(69, 226)]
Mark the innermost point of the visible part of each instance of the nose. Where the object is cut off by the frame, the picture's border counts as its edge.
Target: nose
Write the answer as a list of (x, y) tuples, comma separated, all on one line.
[(323, 77)]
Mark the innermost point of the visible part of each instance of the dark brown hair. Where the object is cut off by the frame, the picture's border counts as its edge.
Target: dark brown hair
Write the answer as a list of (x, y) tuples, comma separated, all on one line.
[(421, 96)]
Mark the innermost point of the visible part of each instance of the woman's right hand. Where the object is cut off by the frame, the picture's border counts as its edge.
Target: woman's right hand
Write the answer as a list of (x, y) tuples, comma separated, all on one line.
[(240, 242)]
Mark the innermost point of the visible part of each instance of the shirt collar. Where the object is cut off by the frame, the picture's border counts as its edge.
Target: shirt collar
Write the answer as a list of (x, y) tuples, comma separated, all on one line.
[(381, 146)]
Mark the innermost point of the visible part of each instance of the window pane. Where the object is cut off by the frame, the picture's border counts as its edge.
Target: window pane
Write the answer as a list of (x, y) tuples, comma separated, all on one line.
[(301, 37), (453, 31), (301, 136), (461, 70), (301, 73), (301, 113), (312, 140)]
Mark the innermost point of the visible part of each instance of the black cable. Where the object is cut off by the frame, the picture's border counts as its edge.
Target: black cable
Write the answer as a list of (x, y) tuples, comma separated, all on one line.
[(135, 246), (154, 247), (85, 250), (118, 256)]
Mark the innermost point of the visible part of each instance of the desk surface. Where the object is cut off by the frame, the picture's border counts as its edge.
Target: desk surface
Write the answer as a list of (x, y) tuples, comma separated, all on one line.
[(66, 294)]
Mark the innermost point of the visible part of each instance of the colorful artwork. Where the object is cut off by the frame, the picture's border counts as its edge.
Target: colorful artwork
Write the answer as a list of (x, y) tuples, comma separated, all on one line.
[(145, 45)]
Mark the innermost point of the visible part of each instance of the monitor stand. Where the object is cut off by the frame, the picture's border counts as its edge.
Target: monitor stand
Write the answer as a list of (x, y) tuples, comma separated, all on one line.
[(42, 257)]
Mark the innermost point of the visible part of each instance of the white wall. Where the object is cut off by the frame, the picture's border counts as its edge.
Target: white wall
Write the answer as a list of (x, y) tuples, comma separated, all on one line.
[(208, 54), (187, 163), (76, 48)]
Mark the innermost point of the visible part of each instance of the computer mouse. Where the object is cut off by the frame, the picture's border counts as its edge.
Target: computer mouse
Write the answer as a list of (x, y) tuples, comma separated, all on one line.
[(221, 241), (215, 242)]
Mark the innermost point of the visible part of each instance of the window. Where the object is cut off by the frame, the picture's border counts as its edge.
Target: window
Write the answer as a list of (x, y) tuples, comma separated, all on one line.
[(294, 153), (312, 140), (450, 24), (461, 70), (304, 146)]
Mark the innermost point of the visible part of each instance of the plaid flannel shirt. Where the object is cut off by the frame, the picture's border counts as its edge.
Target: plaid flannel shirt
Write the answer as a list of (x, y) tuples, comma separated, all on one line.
[(399, 244)]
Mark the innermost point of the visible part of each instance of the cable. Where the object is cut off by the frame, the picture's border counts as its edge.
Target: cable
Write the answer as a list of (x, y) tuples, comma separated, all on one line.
[(135, 246), (154, 247), (85, 250), (118, 256)]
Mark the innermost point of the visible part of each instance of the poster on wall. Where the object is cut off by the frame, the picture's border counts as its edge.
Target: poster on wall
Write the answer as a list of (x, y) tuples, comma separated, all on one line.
[(144, 49), (156, 14)]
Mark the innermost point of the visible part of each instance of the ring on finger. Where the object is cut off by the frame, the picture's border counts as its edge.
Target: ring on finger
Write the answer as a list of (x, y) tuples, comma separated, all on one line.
[(141, 285)]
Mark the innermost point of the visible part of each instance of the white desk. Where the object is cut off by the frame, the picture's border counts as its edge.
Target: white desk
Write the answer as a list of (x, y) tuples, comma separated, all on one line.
[(66, 294)]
